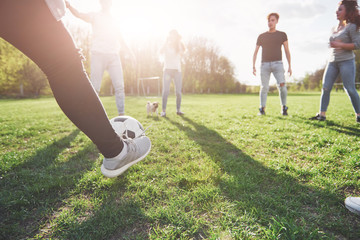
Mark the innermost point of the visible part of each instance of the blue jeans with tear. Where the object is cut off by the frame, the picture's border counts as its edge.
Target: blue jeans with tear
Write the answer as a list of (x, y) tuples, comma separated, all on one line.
[(347, 70), (277, 69)]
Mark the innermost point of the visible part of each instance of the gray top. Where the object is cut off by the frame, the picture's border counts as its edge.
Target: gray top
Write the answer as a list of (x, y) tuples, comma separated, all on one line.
[(349, 34)]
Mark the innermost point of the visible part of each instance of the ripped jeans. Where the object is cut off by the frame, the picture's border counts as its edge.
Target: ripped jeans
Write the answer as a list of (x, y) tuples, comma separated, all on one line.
[(347, 70), (277, 69)]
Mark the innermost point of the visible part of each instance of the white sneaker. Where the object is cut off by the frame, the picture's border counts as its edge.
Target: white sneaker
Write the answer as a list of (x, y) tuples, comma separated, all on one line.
[(133, 152), (353, 204), (163, 114)]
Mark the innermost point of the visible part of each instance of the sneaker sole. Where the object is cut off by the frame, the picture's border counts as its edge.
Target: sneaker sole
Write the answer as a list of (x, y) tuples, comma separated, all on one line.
[(353, 207), (117, 172)]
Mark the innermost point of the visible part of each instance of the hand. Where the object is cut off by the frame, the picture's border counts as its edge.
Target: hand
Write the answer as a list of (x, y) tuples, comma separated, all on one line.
[(336, 44), (254, 71), (290, 71)]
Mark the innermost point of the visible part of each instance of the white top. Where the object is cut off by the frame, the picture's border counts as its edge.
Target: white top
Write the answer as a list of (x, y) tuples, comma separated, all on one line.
[(172, 59), (57, 8), (105, 36)]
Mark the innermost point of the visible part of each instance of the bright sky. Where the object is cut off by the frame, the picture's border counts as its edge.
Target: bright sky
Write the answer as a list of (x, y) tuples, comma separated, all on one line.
[(232, 25)]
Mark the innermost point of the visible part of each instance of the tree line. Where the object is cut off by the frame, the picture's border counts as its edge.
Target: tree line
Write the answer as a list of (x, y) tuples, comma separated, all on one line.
[(205, 69)]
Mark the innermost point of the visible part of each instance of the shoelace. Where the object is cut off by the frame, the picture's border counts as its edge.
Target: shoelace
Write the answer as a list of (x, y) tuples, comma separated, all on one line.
[(133, 148), (127, 136)]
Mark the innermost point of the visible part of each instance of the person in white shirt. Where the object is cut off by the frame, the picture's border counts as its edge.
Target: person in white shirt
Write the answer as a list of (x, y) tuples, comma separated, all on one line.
[(34, 27), (105, 48), (173, 51)]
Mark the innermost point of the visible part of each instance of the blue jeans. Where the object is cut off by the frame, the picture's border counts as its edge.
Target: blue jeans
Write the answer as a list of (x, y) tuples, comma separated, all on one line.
[(277, 69), (168, 75), (347, 71), (110, 62)]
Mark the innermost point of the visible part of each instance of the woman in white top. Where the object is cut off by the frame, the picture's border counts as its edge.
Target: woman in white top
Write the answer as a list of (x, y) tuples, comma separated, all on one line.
[(173, 51), (34, 27)]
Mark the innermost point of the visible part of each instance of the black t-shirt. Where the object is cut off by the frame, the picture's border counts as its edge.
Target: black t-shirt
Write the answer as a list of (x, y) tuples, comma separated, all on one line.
[(271, 45)]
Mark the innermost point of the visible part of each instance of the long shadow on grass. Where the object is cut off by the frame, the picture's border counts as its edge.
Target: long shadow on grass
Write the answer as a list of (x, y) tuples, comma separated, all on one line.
[(31, 191), (116, 218), (276, 201), (35, 192), (351, 131)]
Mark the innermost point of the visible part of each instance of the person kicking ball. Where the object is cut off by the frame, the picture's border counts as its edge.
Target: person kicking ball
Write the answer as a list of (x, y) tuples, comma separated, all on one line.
[(35, 28)]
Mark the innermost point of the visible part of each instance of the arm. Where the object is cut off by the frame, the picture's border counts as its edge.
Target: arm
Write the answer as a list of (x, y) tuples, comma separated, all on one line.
[(355, 40), (87, 17), (288, 56), (182, 48), (341, 45), (125, 47), (254, 58)]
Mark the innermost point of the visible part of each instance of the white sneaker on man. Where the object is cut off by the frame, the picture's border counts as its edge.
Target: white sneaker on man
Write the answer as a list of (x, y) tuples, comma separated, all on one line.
[(133, 152), (353, 204)]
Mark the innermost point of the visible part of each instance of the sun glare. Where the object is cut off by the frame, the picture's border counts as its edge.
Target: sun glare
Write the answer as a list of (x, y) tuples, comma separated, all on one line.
[(142, 19), (139, 20)]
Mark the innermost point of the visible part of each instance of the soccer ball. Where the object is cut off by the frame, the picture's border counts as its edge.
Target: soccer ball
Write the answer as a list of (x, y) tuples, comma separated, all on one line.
[(127, 127)]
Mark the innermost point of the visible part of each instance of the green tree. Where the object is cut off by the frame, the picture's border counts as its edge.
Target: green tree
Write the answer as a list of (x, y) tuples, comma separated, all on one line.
[(19, 76), (205, 70), (31, 80), (10, 63)]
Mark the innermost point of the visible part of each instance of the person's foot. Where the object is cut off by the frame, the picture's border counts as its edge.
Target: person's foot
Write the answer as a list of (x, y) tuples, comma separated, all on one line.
[(133, 152), (163, 114), (318, 117), (353, 204), (284, 110), (180, 113), (261, 111), (358, 119)]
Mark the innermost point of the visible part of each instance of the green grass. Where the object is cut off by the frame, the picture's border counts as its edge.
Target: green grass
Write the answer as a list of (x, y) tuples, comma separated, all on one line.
[(220, 172)]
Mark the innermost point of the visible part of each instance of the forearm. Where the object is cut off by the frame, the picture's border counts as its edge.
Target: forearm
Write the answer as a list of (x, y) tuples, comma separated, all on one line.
[(255, 55), (344, 46), (75, 12), (84, 16), (254, 60), (288, 57), (348, 46)]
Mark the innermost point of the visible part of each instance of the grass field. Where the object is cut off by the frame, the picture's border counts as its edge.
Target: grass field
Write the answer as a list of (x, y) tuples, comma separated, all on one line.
[(220, 172)]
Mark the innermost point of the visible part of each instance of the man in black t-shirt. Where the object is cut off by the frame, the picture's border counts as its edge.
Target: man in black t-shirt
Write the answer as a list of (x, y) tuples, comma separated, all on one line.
[(271, 62)]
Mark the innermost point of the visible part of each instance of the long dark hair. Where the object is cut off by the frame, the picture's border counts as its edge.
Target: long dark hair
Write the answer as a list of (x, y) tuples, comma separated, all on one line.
[(175, 44), (352, 12)]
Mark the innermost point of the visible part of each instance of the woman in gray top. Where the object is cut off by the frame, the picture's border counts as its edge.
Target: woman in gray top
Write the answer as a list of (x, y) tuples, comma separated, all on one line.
[(343, 41)]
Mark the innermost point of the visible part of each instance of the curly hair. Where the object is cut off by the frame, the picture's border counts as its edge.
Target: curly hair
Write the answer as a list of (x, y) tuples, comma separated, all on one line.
[(352, 12)]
